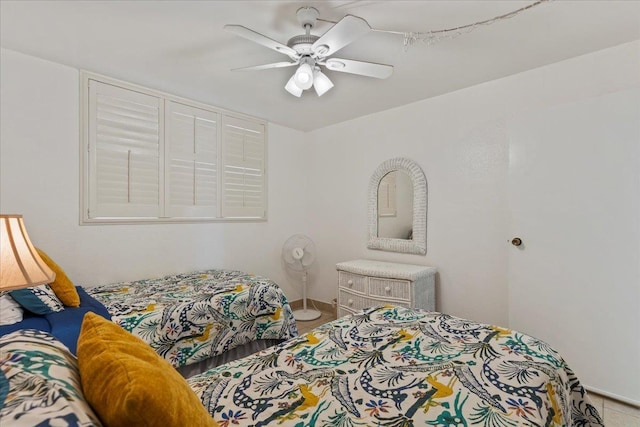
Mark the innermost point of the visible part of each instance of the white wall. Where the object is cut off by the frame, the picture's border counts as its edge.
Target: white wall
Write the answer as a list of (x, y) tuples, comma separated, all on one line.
[(39, 178), (464, 157), (462, 141)]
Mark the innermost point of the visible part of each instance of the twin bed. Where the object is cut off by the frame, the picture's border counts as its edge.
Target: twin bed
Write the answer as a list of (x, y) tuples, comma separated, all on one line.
[(194, 320), (384, 366), (394, 366), (201, 319)]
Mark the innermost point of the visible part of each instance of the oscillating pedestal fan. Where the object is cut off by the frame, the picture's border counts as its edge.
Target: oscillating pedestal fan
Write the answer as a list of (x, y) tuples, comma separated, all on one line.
[(299, 253)]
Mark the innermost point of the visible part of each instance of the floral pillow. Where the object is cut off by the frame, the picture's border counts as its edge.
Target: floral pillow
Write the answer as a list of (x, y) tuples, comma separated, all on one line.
[(40, 383), (38, 300)]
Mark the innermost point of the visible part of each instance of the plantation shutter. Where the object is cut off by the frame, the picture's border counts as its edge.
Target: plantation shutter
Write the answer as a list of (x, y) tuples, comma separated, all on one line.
[(191, 161), (125, 137), (243, 166)]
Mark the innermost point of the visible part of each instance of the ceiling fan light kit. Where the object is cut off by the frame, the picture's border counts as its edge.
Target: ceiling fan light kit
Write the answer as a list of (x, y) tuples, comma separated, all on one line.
[(310, 52)]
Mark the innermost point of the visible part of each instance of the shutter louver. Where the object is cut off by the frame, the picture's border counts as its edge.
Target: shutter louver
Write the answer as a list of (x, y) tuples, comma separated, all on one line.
[(243, 182), (192, 152), (125, 146)]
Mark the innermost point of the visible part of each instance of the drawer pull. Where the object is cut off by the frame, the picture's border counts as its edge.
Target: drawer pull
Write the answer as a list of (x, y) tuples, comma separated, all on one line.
[(350, 301), (350, 283), (387, 289)]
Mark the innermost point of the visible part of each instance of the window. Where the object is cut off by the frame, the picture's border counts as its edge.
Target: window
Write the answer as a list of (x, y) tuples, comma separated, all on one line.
[(153, 157)]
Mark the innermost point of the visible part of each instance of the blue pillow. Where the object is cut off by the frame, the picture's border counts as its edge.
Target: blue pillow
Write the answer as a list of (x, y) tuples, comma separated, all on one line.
[(38, 300)]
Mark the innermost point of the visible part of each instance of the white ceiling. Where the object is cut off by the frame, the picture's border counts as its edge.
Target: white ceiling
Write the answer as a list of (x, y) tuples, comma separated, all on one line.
[(180, 47)]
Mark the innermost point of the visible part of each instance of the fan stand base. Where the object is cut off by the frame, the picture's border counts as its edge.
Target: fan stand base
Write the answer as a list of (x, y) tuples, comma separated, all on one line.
[(306, 315)]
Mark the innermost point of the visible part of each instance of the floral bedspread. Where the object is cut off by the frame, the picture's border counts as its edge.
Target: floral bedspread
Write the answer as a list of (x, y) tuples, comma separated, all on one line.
[(40, 383), (190, 317), (392, 366)]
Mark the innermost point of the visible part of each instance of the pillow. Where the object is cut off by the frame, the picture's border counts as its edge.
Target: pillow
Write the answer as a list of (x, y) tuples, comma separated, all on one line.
[(40, 383), (10, 311), (62, 286), (38, 300), (128, 383)]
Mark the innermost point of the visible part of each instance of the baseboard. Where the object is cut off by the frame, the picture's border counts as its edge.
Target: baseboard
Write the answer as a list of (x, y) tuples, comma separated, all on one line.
[(324, 307)]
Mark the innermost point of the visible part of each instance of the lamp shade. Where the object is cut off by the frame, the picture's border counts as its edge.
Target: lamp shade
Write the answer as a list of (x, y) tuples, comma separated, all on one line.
[(292, 87), (321, 82), (304, 76), (20, 264)]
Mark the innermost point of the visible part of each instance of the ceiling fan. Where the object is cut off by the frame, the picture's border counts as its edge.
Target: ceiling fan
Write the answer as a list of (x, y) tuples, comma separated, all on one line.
[(309, 52)]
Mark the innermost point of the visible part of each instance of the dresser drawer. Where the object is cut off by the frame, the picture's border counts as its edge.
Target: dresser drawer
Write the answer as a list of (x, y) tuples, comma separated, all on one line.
[(390, 288), (355, 302), (353, 282), (352, 301), (346, 311)]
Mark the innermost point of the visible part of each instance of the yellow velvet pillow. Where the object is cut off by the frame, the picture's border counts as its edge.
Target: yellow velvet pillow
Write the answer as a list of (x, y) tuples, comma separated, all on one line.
[(62, 286), (128, 384)]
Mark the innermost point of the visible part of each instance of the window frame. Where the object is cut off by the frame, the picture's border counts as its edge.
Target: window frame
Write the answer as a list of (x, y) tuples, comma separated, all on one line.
[(85, 187)]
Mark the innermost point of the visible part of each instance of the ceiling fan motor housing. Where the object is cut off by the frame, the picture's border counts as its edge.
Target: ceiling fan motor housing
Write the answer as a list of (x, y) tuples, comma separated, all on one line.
[(302, 43)]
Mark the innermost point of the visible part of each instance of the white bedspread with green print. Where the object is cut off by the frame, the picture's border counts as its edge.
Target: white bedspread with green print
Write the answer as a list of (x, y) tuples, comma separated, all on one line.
[(190, 317), (40, 383), (394, 366)]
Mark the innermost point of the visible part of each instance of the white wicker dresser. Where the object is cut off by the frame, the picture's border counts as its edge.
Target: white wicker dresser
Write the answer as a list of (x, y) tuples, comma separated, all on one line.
[(365, 283)]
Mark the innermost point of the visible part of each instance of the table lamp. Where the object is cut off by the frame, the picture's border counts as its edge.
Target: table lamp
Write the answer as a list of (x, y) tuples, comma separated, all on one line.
[(20, 264)]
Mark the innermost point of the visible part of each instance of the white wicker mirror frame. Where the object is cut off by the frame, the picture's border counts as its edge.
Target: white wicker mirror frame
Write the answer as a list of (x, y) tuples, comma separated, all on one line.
[(418, 245)]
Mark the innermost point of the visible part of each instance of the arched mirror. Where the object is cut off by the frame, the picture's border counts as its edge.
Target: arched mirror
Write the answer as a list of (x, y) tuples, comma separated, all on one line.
[(398, 207)]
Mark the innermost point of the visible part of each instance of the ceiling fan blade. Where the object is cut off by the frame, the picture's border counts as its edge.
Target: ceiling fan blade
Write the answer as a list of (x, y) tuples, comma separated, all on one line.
[(347, 30), (260, 39), (369, 69), (266, 66)]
